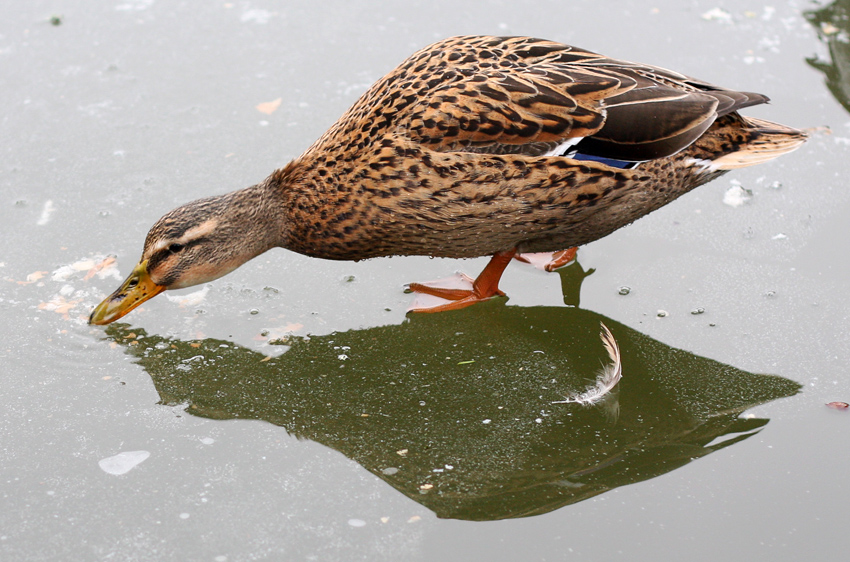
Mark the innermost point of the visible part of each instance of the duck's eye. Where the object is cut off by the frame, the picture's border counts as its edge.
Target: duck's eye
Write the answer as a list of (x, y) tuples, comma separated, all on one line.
[(175, 248)]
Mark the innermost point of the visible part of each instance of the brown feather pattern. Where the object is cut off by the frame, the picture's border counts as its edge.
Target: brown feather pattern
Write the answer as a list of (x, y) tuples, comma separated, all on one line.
[(473, 146), (444, 156)]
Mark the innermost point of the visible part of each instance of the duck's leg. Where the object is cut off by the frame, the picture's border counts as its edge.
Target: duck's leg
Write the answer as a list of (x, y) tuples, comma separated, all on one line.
[(548, 261), (484, 287)]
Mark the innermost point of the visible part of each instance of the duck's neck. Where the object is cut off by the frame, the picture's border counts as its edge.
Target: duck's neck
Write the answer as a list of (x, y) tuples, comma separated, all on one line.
[(254, 217)]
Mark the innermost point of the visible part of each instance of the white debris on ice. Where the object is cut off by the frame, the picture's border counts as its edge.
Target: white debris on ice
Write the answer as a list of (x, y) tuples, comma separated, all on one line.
[(736, 195), (122, 463)]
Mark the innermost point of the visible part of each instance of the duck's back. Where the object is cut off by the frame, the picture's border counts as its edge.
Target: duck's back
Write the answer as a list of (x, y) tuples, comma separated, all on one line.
[(480, 144)]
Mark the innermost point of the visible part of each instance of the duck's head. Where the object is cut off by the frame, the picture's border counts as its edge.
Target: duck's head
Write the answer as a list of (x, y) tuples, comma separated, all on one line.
[(196, 243)]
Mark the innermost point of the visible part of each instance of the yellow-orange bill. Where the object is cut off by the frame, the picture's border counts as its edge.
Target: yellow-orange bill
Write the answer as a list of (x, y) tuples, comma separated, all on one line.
[(135, 290)]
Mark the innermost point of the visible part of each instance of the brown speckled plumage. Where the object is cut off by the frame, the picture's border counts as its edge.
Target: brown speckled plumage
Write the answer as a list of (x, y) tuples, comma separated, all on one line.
[(462, 151), (443, 156)]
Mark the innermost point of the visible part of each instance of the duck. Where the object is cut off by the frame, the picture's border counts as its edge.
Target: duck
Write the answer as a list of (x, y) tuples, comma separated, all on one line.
[(505, 147)]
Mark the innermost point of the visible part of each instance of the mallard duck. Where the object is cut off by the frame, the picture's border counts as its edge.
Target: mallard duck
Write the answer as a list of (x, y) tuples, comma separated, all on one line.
[(473, 146)]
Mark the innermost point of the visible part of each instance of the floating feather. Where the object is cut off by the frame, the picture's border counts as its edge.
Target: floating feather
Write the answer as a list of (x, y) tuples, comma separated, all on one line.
[(608, 377)]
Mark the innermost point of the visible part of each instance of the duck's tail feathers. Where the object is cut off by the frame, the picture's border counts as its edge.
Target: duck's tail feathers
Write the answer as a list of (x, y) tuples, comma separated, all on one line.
[(767, 140)]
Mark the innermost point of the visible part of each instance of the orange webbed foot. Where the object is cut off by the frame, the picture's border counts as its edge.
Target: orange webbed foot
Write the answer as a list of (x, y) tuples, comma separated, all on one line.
[(450, 293), (460, 291), (548, 261)]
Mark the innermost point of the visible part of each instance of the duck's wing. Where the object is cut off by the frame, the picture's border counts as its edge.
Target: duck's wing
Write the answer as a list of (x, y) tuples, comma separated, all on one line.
[(663, 113), (529, 96)]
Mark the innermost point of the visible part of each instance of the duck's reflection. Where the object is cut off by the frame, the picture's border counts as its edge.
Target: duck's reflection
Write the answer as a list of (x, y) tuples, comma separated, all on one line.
[(833, 26), (455, 410)]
